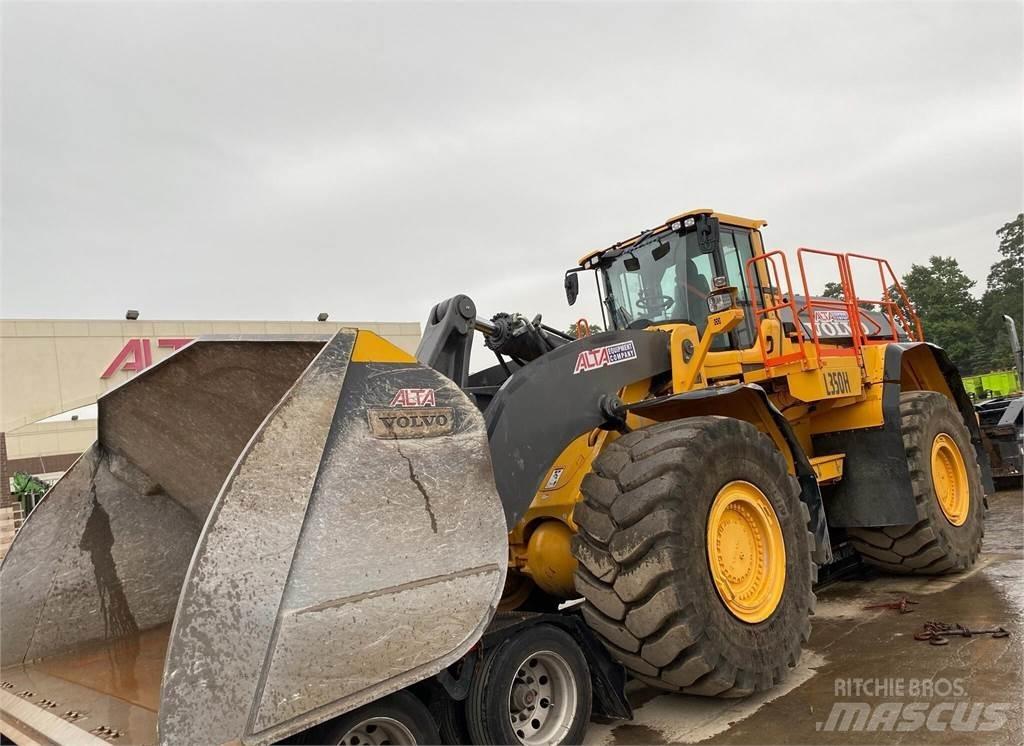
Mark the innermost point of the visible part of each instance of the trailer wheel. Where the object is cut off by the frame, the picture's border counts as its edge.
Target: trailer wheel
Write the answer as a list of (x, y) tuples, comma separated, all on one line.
[(695, 558), (532, 688), (450, 716), (948, 495), (399, 719)]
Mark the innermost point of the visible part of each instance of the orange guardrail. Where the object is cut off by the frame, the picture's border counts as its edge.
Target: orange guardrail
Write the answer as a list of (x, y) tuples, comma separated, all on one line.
[(848, 304), (894, 304), (894, 301), (776, 292)]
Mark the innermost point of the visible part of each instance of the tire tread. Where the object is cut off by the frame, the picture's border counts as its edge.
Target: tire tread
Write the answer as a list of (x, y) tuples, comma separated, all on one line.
[(923, 547), (630, 557)]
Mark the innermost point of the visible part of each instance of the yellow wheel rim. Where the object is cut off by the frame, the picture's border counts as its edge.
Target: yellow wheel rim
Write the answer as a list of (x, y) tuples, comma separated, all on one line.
[(949, 479), (746, 553)]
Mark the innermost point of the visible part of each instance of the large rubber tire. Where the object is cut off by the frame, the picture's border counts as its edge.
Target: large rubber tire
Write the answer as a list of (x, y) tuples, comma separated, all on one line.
[(932, 545), (643, 559), (488, 715), (450, 716), (401, 707)]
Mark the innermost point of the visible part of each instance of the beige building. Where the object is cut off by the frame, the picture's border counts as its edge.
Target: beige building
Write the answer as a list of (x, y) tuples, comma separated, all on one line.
[(50, 366)]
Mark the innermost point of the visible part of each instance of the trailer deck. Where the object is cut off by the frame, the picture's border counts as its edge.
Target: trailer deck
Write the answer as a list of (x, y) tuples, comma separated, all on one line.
[(108, 690)]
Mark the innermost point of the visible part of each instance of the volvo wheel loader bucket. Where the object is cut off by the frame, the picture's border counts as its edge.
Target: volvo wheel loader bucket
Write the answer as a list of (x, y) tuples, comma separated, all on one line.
[(267, 533)]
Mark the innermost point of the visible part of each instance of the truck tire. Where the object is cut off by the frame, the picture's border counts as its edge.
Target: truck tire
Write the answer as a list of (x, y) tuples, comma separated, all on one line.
[(948, 495), (532, 688), (656, 588), (399, 718), (450, 716)]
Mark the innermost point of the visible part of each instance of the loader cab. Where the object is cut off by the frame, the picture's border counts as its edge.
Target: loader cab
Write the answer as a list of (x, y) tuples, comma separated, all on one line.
[(665, 275)]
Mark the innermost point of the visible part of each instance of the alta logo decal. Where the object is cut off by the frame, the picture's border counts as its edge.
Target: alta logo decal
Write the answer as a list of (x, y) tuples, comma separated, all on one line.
[(414, 398), (831, 317), (602, 356)]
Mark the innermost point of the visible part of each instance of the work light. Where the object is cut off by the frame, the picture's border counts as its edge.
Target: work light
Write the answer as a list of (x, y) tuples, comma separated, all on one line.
[(720, 300)]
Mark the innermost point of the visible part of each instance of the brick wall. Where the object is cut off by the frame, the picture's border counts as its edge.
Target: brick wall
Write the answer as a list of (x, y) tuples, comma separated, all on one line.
[(5, 474)]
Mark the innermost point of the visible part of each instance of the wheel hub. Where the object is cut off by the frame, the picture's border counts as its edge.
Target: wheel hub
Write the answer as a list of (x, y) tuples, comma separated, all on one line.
[(746, 552), (542, 699), (949, 479), (378, 731), (523, 697)]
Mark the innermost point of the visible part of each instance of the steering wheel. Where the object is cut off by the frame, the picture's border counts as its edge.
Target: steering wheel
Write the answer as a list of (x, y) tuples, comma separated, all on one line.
[(656, 302)]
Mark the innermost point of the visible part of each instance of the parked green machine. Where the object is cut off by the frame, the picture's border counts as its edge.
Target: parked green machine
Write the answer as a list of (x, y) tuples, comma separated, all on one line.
[(991, 385), (1000, 408)]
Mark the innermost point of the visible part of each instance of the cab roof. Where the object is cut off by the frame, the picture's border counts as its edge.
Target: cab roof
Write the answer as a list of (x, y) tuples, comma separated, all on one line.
[(752, 223)]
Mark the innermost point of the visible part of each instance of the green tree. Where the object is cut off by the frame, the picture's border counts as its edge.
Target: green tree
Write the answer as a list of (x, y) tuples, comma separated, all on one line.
[(835, 290), (832, 290), (1004, 295), (941, 295)]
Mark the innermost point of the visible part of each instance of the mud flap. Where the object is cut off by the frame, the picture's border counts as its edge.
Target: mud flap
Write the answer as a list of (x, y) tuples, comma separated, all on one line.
[(353, 544)]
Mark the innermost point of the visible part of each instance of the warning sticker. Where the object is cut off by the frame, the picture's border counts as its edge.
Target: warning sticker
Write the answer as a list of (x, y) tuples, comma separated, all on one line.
[(556, 474)]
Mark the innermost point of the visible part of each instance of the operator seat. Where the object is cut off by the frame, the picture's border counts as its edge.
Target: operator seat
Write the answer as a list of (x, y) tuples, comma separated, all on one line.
[(696, 292)]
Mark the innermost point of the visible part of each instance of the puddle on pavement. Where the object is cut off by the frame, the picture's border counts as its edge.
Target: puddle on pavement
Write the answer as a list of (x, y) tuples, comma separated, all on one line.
[(1003, 523), (631, 733), (661, 717), (866, 643), (1004, 534)]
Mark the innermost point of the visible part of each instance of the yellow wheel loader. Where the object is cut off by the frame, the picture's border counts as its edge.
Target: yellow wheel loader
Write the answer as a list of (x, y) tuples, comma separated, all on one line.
[(688, 471), (277, 534)]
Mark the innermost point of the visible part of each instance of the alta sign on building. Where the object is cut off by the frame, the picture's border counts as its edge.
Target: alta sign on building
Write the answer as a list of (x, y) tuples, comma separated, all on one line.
[(137, 354)]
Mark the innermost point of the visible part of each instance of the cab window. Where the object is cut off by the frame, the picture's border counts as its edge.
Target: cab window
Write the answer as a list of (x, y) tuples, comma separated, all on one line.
[(736, 250)]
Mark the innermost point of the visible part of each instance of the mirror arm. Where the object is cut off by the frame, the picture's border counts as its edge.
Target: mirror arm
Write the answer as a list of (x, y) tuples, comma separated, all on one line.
[(708, 234)]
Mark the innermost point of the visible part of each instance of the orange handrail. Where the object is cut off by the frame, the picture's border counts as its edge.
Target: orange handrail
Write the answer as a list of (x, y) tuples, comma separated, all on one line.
[(906, 317), (847, 304), (898, 310), (772, 276)]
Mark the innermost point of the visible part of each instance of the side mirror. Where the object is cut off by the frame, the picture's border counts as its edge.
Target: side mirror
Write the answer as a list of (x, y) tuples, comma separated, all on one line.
[(572, 286), (708, 237)]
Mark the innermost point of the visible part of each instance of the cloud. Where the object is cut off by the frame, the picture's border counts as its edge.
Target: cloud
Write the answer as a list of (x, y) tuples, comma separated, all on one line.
[(271, 161)]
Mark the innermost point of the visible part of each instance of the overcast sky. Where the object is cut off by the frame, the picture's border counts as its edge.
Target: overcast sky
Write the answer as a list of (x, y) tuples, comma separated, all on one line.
[(273, 161)]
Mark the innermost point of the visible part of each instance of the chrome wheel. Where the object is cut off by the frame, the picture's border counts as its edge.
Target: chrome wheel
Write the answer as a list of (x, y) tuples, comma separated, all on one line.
[(378, 731), (542, 699)]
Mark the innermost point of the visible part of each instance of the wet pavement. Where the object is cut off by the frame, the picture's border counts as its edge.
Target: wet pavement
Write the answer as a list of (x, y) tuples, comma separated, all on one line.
[(865, 679)]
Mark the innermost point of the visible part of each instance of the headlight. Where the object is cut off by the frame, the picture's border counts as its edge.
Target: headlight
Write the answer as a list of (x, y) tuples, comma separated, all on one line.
[(719, 302)]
